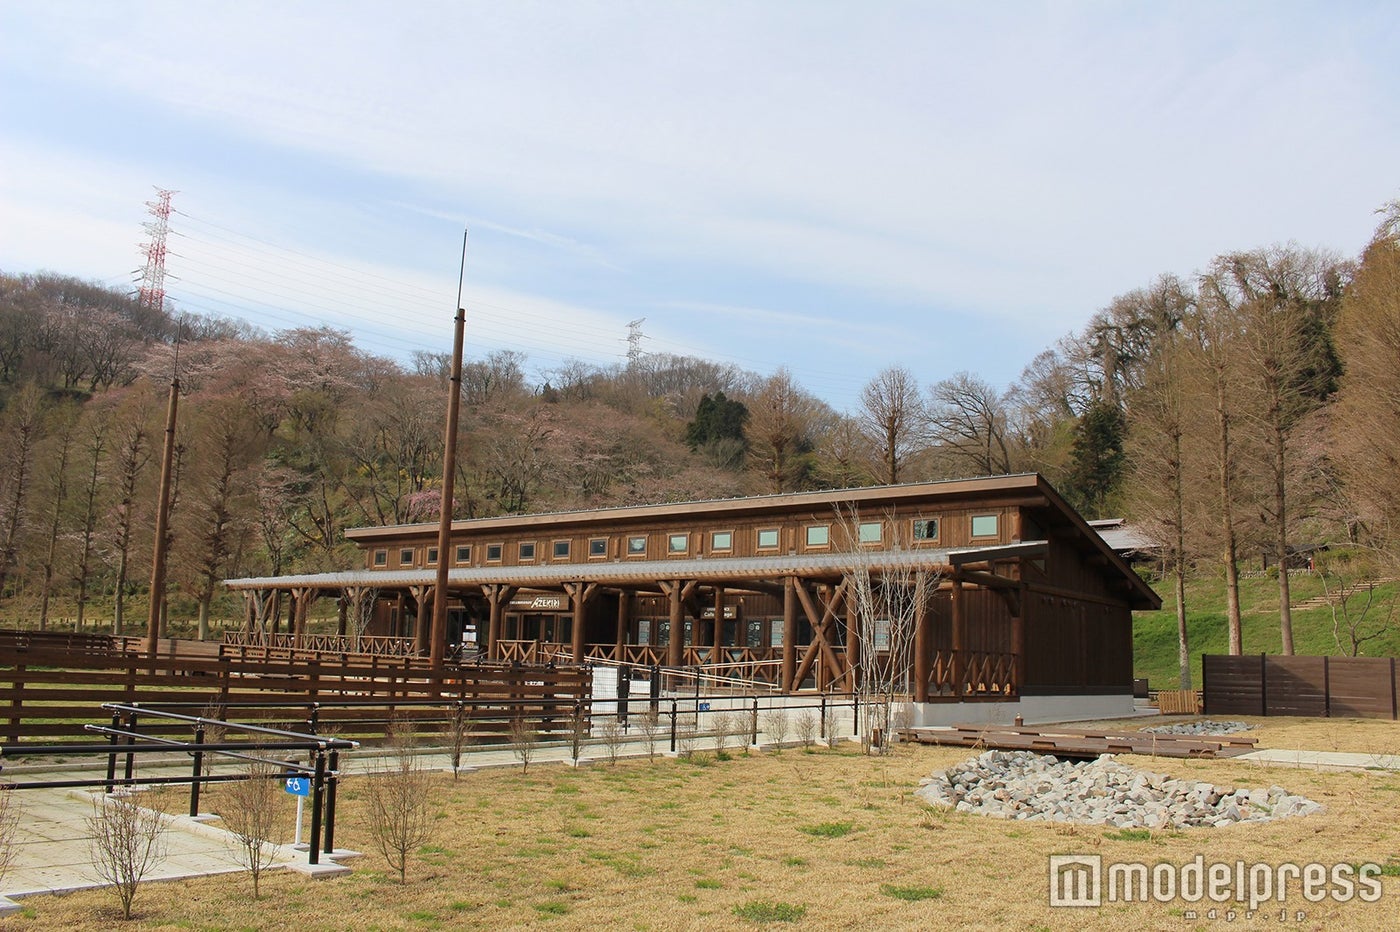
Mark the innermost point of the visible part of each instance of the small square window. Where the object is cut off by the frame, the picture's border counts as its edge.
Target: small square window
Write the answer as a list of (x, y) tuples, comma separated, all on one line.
[(678, 543), (432, 556), (527, 550), (926, 529), (406, 557), (598, 547), (493, 552), (636, 546), (768, 539), (381, 558), (869, 532), (561, 549), (984, 525), (722, 540), (464, 553), (818, 535)]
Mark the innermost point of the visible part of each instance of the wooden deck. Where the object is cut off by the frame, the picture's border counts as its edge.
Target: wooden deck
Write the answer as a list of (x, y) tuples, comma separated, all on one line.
[(1080, 743)]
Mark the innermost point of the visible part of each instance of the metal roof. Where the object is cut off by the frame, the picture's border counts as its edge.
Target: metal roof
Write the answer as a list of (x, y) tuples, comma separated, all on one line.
[(649, 571)]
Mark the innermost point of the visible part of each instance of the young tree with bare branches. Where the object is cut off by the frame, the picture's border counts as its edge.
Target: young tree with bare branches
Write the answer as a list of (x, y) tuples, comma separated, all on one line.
[(399, 794), (127, 840), (253, 814)]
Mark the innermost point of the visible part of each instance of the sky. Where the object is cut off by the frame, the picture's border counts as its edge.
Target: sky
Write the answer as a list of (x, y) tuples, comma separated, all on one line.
[(834, 187)]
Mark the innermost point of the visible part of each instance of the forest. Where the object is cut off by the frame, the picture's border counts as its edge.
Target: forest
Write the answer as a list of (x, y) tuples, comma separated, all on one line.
[(1237, 415)]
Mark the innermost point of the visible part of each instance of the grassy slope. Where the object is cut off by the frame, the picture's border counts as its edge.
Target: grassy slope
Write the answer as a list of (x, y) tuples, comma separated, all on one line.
[(1154, 633)]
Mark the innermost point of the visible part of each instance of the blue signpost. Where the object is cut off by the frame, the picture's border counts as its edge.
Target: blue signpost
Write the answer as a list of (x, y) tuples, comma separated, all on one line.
[(300, 787)]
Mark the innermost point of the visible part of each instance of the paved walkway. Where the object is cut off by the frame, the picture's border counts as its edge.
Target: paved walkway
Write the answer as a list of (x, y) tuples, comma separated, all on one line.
[(52, 845)]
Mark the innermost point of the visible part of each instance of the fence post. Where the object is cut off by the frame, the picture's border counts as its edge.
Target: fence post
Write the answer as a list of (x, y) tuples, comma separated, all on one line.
[(1263, 685), (112, 756), (332, 779), (821, 718), (753, 722), (130, 756), (673, 725), (655, 688), (198, 770), (318, 799), (1394, 708), (1326, 687)]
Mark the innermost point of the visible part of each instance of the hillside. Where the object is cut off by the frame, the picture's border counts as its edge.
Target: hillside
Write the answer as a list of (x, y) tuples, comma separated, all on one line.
[(1154, 633)]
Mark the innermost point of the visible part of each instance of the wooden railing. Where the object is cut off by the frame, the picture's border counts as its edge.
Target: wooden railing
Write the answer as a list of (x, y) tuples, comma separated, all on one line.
[(250, 642), (972, 674)]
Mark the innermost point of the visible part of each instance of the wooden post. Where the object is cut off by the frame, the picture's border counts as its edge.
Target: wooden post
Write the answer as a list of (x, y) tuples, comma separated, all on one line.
[(789, 633), (579, 594), (958, 662), (624, 624), (923, 644), (853, 644), (717, 641), (1018, 643), (159, 546), (437, 650), (675, 643)]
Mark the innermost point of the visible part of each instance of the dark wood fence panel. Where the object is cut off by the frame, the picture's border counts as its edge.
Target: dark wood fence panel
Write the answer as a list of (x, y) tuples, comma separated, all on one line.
[(1295, 686), (1267, 684), (1362, 687)]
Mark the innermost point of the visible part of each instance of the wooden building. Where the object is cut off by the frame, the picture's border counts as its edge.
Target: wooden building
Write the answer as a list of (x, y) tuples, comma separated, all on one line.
[(1020, 596)]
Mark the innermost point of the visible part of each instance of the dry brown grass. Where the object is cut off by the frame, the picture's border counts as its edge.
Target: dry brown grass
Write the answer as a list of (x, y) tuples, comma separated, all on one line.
[(680, 845)]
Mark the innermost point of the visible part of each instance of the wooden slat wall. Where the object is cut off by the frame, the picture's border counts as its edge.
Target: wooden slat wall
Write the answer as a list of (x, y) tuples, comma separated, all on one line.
[(1361, 687), (52, 694)]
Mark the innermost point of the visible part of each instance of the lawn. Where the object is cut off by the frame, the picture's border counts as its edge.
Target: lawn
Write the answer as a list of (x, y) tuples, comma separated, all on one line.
[(824, 839), (1154, 633)]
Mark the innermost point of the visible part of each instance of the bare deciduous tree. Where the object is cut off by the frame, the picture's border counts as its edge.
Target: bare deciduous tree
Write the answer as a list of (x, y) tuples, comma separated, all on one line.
[(614, 735), (9, 826), (967, 420), (892, 419), (806, 728), (253, 815), (775, 725), (127, 840), (722, 724), (522, 741), (459, 731), (888, 602), (649, 726), (400, 803)]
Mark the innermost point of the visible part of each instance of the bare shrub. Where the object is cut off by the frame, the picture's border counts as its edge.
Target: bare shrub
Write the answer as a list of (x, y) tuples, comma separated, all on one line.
[(251, 811), (459, 733), (400, 809), (578, 731), (214, 733), (127, 841), (649, 725), (687, 736), (9, 826), (806, 728), (775, 724), (614, 735), (724, 726), (522, 741)]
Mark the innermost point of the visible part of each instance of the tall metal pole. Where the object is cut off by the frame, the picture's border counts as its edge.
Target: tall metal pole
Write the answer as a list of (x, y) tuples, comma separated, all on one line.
[(162, 523), (437, 649)]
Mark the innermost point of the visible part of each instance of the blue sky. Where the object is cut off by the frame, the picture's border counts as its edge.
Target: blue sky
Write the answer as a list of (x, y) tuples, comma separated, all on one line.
[(834, 187)]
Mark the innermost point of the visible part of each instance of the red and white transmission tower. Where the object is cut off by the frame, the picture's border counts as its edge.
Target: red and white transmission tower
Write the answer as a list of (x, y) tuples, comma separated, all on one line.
[(152, 293)]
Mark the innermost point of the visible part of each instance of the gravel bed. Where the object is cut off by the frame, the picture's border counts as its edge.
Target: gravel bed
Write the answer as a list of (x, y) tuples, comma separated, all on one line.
[(1041, 787)]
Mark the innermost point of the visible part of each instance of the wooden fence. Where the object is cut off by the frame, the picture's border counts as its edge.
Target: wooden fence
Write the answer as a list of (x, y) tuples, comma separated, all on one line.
[(1269, 684), (48, 692)]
